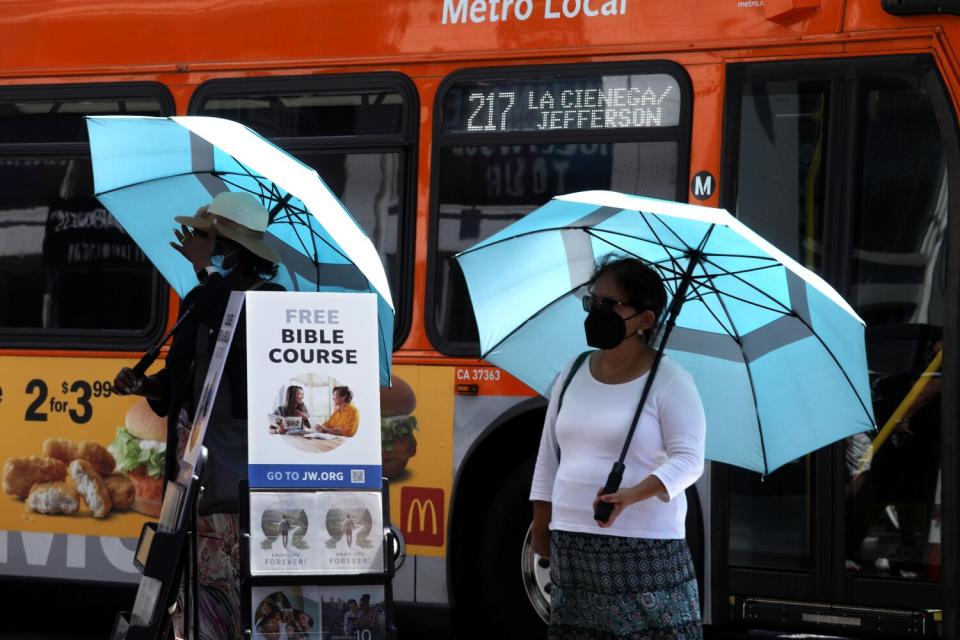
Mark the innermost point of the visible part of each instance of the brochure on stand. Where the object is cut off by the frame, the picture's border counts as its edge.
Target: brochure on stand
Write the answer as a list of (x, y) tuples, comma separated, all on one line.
[(314, 532), (356, 612), (313, 391)]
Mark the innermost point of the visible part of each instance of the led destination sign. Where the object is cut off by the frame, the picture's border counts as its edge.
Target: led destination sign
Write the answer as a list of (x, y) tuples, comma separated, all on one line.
[(558, 104)]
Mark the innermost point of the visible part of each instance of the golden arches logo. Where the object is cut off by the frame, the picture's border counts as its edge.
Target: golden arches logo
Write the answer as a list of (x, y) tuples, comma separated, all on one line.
[(421, 507)]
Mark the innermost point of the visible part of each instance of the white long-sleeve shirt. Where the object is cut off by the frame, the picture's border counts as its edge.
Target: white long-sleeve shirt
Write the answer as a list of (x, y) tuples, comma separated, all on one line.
[(590, 431)]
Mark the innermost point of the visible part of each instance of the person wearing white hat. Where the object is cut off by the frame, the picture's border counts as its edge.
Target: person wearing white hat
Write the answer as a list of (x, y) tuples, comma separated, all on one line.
[(233, 218), (224, 242)]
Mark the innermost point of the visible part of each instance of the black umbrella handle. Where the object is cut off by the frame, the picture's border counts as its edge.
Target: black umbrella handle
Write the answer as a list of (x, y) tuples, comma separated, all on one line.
[(604, 509)]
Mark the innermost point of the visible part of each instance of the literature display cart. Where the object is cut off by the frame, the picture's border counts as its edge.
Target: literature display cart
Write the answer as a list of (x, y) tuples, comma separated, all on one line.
[(314, 511)]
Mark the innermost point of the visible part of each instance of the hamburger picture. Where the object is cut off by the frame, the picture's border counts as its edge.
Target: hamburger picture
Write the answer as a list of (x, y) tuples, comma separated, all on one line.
[(139, 450), (397, 402)]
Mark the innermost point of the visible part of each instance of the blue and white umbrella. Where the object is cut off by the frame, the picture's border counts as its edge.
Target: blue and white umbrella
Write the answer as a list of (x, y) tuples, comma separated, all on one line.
[(149, 170), (778, 356)]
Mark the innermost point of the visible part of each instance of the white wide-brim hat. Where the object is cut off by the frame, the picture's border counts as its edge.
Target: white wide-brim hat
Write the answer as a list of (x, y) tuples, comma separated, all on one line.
[(238, 216)]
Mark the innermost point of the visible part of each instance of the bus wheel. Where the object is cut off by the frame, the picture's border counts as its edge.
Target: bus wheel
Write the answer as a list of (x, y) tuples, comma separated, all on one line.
[(507, 608), (536, 577)]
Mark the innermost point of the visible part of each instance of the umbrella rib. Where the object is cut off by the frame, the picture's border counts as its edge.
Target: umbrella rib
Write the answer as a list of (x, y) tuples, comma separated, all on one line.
[(258, 179), (709, 284), (259, 193), (743, 255), (698, 296), (756, 410), (643, 214), (787, 310), (739, 271), (676, 263), (753, 387)]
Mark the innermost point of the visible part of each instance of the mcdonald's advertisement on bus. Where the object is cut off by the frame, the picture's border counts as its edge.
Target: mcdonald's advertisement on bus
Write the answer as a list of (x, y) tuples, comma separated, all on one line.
[(76, 492), (417, 441)]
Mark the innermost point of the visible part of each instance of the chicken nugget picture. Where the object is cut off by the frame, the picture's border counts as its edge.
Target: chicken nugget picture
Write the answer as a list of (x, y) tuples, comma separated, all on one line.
[(20, 474), (91, 487), (69, 450), (122, 491), (53, 497)]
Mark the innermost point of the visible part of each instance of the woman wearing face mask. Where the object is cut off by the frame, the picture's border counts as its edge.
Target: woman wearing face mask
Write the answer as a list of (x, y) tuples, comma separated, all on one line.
[(224, 243), (631, 576)]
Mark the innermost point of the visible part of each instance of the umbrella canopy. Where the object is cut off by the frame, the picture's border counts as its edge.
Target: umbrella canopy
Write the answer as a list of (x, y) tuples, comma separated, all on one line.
[(149, 170), (778, 356)]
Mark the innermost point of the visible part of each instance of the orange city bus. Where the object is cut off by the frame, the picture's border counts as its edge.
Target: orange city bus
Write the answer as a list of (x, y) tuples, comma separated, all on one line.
[(829, 127)]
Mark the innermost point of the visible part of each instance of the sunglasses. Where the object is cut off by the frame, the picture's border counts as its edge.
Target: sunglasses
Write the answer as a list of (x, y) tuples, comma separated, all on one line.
[(591, 302)]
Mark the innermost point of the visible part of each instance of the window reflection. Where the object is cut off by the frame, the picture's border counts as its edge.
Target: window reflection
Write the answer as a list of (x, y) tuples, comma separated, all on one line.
[(485, 188), (65, 262), (898, 265)]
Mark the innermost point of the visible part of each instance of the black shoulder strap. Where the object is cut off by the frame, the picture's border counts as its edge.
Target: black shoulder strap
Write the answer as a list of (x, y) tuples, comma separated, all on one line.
[(573, 371), (566, 383)]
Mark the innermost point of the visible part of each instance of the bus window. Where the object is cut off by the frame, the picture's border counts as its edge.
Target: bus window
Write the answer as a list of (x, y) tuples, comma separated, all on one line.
[(67, 268), (358, 133), (509, 141)]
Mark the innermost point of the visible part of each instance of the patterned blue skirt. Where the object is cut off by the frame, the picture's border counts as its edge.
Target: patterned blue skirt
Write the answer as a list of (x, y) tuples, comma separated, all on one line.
[(609, 587)]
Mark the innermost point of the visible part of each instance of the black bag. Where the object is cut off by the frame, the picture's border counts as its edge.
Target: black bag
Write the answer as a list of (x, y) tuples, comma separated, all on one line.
[(226, 442)]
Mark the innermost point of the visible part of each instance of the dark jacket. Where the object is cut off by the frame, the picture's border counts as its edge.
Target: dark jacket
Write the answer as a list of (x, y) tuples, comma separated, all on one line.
[(182, 379)]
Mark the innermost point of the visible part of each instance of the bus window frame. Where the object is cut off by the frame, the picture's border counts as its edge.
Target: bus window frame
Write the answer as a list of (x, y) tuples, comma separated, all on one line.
[(847, 77), (681, 133), (82, 340), (406, 143)]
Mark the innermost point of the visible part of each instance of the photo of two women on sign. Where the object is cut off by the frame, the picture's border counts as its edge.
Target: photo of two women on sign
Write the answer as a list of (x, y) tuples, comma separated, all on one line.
[(314, 412)]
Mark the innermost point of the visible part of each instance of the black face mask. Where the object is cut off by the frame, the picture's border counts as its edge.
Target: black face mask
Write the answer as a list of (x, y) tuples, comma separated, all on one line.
[(605, 328)]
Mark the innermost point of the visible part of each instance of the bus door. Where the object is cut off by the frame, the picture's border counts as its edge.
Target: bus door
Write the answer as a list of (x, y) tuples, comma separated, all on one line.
[(843, 165)]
